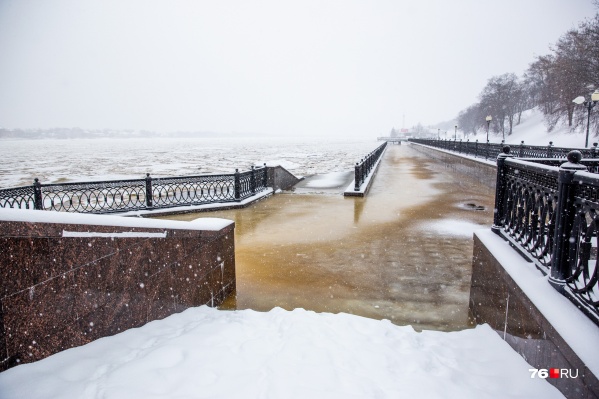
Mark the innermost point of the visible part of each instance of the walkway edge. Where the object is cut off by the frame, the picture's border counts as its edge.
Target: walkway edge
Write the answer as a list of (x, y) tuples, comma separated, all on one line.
[(223, 206)]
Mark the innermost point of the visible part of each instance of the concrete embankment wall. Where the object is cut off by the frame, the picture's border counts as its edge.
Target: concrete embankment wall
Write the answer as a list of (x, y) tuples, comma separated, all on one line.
[(64, 282), (484, 171)]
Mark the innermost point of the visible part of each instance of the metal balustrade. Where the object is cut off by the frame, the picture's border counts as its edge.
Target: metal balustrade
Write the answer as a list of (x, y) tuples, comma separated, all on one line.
[(492, 150), (363, 168), (549, 211), (137, 194)]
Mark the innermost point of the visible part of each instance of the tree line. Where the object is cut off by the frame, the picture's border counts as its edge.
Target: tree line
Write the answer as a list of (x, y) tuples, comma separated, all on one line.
[(549, 84)]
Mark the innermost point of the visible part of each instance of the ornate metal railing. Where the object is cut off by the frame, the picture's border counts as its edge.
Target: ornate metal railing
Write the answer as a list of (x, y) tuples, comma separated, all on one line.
[(363, 168), (19, 197), (550, 214), (492, 150), (137, 194)]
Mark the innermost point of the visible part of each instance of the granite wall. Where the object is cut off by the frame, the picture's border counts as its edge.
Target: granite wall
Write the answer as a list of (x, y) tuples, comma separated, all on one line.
[(65, 284), (496, 299)]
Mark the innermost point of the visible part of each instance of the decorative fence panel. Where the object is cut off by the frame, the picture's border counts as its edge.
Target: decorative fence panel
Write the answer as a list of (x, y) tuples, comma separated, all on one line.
[(137, 194), (549, 211), (19, 197), (530, 206), (94, 197), (582, 280), (194, 190)]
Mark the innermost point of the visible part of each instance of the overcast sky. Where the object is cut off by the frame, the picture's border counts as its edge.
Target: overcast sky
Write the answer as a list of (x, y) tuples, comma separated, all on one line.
[(306, 67)]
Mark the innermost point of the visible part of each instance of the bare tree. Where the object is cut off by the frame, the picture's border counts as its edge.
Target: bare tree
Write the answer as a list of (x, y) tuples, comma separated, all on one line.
[(501, 98), (471, 119), (551, 83)]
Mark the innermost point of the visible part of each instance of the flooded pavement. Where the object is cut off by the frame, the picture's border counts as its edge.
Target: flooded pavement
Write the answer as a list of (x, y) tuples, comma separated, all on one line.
[(402, 253)]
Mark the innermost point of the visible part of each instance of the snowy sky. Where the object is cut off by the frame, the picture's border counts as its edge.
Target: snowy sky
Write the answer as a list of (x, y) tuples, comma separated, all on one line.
[(303, 68)]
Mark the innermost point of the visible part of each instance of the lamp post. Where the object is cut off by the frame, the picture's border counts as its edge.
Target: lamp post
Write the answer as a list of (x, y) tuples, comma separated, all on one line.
[(589, 106), (438, 134), (489, 118), (455, 134)]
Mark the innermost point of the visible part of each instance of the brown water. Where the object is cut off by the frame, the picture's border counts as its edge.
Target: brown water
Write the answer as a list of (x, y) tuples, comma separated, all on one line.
[(402, 253)]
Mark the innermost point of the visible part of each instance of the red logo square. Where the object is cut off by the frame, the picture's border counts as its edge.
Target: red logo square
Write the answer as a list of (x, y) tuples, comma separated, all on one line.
[(553, 373)]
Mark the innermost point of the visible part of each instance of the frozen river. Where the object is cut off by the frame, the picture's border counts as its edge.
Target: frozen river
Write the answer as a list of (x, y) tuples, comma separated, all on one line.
[(59, 161)]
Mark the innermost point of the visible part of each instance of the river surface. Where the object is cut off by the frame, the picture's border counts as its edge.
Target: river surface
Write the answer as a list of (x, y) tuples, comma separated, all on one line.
[(402, 253)]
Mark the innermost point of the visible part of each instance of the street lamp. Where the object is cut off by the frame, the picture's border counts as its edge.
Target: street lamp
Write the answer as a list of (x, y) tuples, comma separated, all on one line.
[(489, 118), (455, 134), (589, 106)]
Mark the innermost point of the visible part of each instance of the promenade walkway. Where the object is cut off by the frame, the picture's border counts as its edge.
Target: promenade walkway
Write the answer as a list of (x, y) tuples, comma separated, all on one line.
[(402, 253)]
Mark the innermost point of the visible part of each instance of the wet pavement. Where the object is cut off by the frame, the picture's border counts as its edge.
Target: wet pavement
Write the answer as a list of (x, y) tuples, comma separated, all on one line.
[(402, 253)]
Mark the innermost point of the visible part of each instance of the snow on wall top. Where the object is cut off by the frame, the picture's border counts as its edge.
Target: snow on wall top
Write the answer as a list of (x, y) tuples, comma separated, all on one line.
[(35, 216)]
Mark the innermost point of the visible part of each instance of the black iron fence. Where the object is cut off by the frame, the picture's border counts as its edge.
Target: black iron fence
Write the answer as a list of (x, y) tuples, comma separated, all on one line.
[(492, 150), (137, 194), (549, 211), (363, 168)]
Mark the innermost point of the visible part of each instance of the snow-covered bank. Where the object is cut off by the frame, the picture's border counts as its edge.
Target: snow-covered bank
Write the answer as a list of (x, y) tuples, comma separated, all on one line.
[(533, 131), (207, 353)]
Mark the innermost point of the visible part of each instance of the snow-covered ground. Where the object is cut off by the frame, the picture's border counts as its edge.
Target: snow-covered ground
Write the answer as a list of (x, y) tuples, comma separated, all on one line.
[(533, 131), (207, 353)]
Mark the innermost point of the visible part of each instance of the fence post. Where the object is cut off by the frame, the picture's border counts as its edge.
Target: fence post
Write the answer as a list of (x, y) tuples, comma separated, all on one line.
[(550, 150), (521, 152), (564, 220), (594, 150), (265, 178), (487, 151), (253, 180), (500, 189), (237, 185), (357, 177), (476, 149), (149, 196), (38, 202)]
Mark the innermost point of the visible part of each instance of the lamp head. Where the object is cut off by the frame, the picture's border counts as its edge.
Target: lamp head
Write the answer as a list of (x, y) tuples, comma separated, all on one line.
[(578, 100)]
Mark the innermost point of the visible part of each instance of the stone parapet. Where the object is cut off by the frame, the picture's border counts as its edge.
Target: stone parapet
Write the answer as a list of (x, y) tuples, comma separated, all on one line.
[(66, 280)]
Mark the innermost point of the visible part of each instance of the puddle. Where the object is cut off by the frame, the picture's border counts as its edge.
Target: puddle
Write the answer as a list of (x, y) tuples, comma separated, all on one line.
[(367, 256), (471, 206)]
